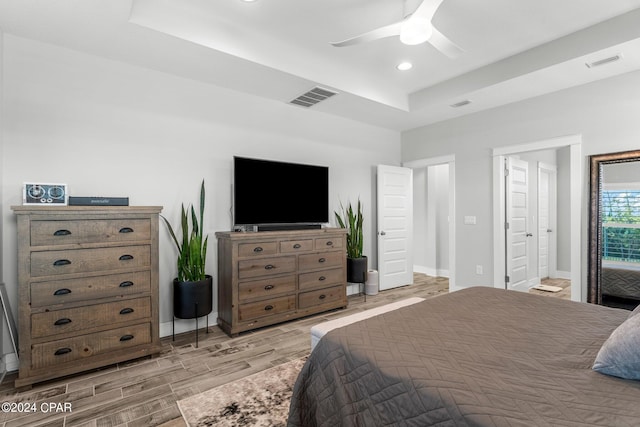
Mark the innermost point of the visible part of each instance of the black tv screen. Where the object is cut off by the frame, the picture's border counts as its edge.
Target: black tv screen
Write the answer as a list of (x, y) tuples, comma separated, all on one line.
[(270, 192)]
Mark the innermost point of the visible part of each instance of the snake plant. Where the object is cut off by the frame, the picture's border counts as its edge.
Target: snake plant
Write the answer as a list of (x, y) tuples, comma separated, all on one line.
[(352, 221), (192, 250)]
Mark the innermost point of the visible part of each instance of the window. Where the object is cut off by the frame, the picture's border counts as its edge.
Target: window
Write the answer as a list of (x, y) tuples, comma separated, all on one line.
[(621, 225)]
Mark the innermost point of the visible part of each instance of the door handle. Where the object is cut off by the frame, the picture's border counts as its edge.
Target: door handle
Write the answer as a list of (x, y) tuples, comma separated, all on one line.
[(529, 234), (382, 233), (549, 230)]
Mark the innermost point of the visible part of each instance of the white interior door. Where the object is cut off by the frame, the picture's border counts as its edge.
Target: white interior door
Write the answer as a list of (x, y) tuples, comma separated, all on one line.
[(395, 226), (546, 220), (517, 217)]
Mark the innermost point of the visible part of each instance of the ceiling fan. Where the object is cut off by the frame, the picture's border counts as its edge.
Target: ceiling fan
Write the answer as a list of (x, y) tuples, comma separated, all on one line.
[(414, 29)]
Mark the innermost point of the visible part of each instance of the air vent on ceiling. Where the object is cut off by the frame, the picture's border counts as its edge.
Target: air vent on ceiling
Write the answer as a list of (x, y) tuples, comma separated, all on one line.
[(604, 61), (460, 104), (312, 97)]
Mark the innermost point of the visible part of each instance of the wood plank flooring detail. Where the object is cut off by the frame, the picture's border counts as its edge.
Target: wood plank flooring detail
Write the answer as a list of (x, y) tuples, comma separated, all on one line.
[(144, 392)]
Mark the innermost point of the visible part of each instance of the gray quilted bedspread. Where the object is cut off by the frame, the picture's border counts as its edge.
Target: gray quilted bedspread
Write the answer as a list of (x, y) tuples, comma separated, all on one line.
[(621, 282), (476, 357)]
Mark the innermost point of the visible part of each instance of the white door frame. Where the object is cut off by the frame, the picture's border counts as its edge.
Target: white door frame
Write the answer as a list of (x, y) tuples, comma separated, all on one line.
[(451, 161), (574, 142)]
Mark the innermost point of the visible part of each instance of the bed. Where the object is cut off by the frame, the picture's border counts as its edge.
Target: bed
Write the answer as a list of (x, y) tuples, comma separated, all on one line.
[(476, 357), (619, 281)]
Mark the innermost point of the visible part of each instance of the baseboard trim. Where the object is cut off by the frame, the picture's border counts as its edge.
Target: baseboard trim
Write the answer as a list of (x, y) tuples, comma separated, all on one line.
[(566, 275), (431, 271)]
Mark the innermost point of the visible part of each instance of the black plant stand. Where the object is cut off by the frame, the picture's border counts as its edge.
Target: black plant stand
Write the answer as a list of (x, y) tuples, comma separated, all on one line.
[(357, 272), (192, 300)]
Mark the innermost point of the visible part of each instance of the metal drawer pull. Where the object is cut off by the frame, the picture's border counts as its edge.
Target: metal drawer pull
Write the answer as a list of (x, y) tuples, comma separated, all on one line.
[(62, 233), (127, 337), (323, 296), (268, 307), (63, 291), (127, 310), (126, 284), (268, 287), (63, 321), (62, 351), (126, 230), (297, 246), (61, 262), (322, 260), (125, 257), (321, 278), (329, 243), (257, 249), (269, 267)]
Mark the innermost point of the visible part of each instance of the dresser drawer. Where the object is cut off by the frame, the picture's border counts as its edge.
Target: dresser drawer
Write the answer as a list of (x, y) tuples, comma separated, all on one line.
[(78, 348), (321, 296), (255, 249), (320, 260), (293, 246), (89, 288), (64, 232), (329, 243), (72, 320), (270, 307), (321, 278), (266, 266), (50, 263), (266, 287)]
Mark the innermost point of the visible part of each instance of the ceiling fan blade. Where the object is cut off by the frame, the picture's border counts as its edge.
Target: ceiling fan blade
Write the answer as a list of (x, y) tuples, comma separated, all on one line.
[(444, 45), (427, 9), (379, 33)]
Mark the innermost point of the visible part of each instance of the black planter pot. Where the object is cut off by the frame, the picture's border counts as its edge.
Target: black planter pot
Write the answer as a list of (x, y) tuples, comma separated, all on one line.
[(192, 299), (357, 270)]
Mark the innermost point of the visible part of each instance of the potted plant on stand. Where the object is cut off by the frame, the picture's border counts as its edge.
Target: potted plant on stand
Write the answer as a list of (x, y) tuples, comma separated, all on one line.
[(352, 220), (192, 289)]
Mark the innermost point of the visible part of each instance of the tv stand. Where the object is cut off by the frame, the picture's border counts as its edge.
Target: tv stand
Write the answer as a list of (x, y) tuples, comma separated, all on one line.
[(286, 227), (271, 277)]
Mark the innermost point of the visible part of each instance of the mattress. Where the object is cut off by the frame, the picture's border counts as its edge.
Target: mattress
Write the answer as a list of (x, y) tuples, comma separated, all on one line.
[(476, 357)]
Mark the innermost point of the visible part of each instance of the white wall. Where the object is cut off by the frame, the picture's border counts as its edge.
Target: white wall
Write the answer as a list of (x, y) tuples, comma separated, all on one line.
[(111, 129), (604, 112)]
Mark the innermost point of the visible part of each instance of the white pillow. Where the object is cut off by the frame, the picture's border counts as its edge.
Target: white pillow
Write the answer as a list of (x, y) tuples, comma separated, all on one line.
[(620, 354)]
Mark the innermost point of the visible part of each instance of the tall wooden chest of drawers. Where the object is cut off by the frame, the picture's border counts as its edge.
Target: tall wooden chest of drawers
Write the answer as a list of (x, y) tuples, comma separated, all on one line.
[(273, 276), (87, 288)]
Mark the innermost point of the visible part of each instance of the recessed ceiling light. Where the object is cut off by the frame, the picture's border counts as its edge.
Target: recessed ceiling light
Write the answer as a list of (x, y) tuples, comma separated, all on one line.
[(404, 66), (249, 1)]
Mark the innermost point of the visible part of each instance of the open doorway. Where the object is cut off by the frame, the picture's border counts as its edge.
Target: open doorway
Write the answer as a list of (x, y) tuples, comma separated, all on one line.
[(568, 232), (434, 213)]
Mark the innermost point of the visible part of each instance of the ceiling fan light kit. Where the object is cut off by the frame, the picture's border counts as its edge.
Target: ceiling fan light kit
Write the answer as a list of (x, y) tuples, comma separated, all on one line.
[(415, 31)]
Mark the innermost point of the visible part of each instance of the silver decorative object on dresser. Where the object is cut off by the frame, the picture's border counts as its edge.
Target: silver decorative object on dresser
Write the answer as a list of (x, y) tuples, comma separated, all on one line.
[(87, 288)]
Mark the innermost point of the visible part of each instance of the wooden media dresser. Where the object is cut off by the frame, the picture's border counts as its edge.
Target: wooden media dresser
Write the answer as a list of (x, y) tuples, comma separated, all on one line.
[(273, 276)]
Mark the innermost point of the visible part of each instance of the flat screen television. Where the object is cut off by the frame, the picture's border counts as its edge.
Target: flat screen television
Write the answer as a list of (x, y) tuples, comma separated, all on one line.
[(279, 195)]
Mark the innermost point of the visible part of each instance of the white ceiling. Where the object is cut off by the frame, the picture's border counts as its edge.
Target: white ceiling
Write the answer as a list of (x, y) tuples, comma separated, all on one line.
[(280, 48)]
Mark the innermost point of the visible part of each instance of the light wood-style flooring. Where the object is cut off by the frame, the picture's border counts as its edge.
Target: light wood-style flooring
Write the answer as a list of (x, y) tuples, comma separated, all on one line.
[(144, 392)]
